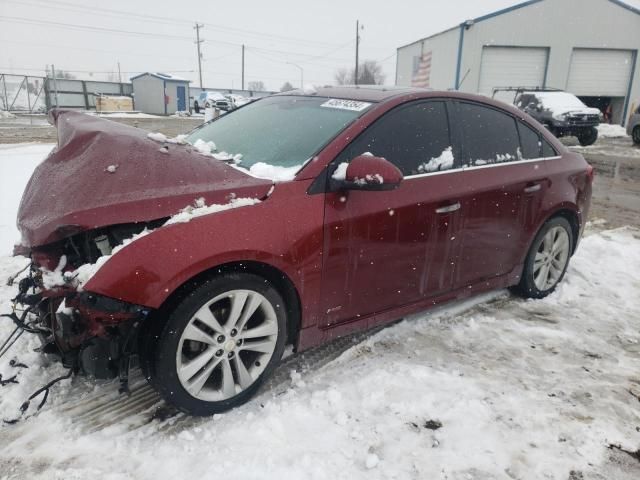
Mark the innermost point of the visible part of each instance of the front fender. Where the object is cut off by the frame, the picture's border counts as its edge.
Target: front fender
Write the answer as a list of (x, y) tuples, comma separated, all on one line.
[(279, 232)]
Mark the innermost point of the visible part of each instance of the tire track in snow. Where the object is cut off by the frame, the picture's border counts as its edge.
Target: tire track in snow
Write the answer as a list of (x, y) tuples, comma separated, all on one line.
[(143, 408)]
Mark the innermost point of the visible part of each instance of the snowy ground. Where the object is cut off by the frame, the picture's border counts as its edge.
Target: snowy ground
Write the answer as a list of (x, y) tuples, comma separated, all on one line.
[(521, 389)]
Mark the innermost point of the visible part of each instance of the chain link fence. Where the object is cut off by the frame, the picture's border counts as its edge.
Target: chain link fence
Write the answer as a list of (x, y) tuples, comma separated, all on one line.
[(28, 94)]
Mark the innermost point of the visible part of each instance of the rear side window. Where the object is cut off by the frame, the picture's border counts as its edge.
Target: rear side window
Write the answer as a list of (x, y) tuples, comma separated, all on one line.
[(548, 150), (415, 138), (530, 145), (488, 135)]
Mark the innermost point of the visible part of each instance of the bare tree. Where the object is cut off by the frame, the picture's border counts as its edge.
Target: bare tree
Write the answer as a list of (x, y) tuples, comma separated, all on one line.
[(369, 73), (286, 87), (257, 86), (343, 77), (65, 75)]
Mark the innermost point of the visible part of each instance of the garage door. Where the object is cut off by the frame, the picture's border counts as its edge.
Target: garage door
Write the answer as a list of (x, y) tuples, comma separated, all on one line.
[(512, 67), (599, 72)]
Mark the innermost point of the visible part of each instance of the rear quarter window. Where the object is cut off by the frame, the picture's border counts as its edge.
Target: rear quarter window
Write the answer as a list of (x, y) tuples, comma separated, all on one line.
[(548, 150), (530, 144)]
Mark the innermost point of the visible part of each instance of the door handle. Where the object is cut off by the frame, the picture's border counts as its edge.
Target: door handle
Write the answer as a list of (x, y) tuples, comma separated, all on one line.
[(449, 208), (532, 188)]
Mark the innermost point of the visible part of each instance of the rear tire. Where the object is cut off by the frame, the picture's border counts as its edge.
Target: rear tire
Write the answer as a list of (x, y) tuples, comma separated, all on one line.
[(588, 136), (196, 107), (218, 344), (547, 260), (635, 135)]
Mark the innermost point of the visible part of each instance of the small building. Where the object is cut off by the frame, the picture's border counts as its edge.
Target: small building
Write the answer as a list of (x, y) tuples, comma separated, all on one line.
[(160, 93), (587, 47)]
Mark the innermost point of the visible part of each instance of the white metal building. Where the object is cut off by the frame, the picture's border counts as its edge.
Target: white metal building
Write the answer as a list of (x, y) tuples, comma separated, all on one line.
[(160, 93), (587, 47)]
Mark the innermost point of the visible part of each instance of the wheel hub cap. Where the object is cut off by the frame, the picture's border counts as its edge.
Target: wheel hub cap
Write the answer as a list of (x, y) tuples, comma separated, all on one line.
[(213, 370)]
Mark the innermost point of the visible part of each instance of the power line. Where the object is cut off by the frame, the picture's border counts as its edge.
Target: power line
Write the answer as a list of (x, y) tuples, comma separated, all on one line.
[(165, 20)]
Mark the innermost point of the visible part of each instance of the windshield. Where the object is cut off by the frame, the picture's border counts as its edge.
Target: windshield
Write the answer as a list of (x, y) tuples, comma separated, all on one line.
[(280, 131)]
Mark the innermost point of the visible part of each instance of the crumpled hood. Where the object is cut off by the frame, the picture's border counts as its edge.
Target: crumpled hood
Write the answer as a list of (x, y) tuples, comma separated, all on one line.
[(104, 173)]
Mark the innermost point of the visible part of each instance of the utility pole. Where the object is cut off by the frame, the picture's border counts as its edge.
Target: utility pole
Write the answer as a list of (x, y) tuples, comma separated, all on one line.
[(198, 42), (357, 48), (243, 66), (119, 74), (55, 82)]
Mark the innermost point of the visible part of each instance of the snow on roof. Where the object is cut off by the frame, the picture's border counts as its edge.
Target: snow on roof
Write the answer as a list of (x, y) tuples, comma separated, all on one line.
[(162, 76)]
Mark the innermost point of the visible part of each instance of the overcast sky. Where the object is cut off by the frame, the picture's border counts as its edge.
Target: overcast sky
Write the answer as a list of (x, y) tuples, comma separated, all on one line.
[(88, 38)]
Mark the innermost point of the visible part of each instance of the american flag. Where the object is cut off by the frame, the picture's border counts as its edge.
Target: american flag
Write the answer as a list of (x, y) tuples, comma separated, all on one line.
[(421, 70)]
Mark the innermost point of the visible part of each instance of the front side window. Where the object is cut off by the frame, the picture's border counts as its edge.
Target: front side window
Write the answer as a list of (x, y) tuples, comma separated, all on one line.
[(415, 138), (488, 135), (279, 131)]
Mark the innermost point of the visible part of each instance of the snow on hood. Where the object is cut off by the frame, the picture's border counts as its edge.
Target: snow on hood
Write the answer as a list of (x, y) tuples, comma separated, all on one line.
[(105, 173), (562, 102)]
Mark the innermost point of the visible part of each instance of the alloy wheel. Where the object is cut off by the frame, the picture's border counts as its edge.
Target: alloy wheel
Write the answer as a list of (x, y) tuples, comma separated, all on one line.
[(226, 345), (551, 258)]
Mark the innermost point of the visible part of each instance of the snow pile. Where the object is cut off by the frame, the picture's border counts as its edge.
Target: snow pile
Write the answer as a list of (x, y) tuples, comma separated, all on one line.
[(156, 136), (274, 172), (606, 130), (162, 138), (500, 158), (340, 172), (6, 114), (204, 147), (443, 162), (200, 208), (375, 178)]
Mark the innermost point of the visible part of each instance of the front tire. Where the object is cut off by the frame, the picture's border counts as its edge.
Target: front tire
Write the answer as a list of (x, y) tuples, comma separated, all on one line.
[(547, 260), (219, 344), (196, 107), (588, 136), (635, 135)]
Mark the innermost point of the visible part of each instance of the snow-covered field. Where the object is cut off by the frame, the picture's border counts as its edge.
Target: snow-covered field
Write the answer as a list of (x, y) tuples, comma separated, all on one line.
[(494, 388)]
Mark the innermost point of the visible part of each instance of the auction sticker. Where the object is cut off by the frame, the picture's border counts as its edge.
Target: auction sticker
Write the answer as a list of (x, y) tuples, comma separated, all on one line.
[(345, 104)]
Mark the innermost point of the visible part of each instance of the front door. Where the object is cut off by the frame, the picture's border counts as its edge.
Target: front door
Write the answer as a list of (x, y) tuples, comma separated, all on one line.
[(182, 98), (390, 248)]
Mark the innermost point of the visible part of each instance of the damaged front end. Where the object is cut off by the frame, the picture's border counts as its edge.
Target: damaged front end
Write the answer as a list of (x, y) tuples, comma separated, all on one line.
[(91, 334)]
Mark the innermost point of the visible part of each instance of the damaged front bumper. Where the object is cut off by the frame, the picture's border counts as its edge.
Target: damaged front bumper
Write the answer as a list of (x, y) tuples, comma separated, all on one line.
[(92, 334)]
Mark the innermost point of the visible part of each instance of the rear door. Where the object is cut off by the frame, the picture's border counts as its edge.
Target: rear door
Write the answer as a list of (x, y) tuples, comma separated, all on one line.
[(505, 180), (391, 248)]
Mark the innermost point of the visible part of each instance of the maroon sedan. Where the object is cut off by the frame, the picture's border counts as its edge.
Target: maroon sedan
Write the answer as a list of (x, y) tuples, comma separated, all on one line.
[(293, 220)]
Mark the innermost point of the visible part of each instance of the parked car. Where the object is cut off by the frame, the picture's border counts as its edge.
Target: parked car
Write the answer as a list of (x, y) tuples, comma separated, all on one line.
[(239, 100), (633, 125), (349, 208), (211, 99), (561, 112)]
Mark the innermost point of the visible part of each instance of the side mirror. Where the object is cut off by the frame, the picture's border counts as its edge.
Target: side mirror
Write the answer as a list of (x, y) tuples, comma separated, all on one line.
[(367, 172)]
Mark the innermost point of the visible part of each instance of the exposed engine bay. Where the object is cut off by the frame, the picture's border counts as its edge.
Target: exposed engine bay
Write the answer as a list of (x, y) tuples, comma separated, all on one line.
[(92, 334)]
